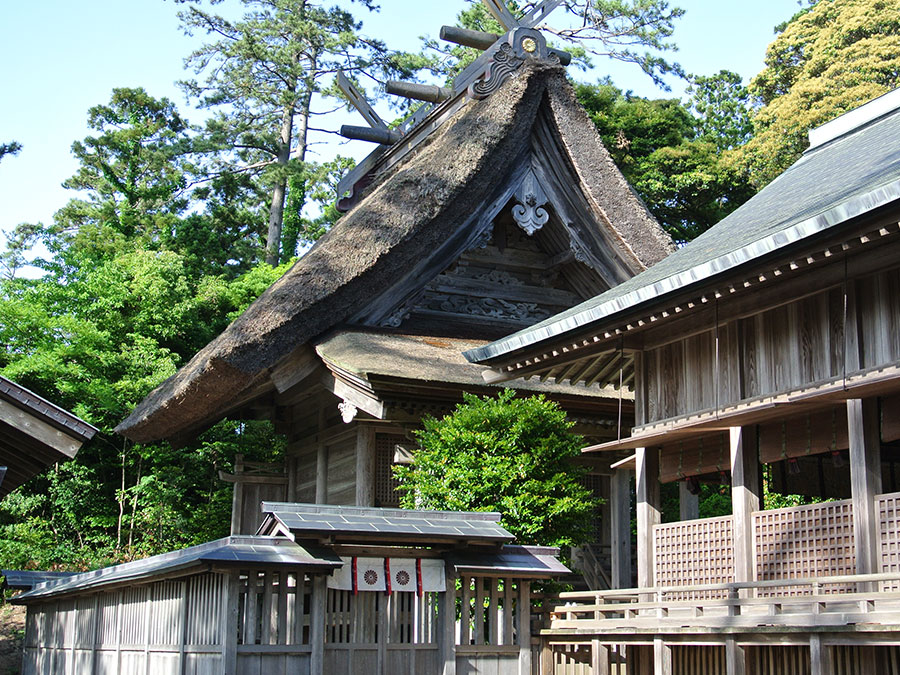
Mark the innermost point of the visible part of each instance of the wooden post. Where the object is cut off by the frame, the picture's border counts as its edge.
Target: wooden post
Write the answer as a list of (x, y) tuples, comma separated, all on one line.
[(745, 491), (620, 528), (820, 660), (688, 503), (229, 635), (237, 497), (735, 658), (365, 465), (662, 657), (865, 480), (524, 632), (447, 622), (321, 463), (317, 625), (599, 658), (648, 511)]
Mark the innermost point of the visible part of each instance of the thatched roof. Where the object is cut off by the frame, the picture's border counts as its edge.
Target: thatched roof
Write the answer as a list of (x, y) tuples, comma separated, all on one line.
[(408, 215)]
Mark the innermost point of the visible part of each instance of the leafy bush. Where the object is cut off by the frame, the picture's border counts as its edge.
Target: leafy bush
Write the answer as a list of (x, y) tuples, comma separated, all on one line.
[(506, 454)]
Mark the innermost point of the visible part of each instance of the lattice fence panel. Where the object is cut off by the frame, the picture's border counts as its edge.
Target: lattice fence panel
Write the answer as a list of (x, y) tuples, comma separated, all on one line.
[(888, 509), (800, 542), (698, 660), (386, 492), (694, 552)]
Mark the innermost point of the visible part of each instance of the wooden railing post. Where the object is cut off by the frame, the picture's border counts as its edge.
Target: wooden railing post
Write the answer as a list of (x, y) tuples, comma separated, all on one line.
[(447, 622)]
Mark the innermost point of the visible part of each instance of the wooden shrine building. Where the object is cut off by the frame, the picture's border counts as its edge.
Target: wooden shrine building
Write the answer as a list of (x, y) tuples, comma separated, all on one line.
[(493, 209), (764, 353), (322, 589)]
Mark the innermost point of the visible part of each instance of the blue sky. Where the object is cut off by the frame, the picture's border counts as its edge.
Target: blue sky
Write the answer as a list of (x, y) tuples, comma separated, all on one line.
[(61, 57)]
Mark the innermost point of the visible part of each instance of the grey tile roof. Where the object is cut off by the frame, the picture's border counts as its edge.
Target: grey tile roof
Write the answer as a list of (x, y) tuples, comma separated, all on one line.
[(829, 185), (236, 550), (27, 579), (314, 521), (529, 562)]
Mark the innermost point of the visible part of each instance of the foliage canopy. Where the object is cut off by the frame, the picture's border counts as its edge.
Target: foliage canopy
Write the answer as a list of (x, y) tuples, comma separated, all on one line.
[(506, 454)]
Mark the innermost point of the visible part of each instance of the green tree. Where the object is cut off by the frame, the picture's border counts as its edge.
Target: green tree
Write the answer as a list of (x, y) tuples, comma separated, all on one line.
[(721, 104), (262, 76), (828, 59), (672, 158), (605, 28), (11, 148), (506, 454)]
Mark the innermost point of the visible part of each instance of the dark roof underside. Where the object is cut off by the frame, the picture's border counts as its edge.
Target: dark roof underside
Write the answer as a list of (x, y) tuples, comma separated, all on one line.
[(829, 185)]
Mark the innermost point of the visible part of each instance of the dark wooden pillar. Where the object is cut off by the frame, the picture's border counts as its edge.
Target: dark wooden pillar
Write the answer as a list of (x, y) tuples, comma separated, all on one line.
[(365, 465), (620, 527), (321, 463), (865, 480), (745, 497), (648, 511)]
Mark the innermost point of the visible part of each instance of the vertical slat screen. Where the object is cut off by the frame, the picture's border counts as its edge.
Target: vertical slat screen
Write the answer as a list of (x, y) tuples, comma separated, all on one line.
[(815, 540), (698, 660), (205, 609), (694, 552), (489, 611), (273, 608)]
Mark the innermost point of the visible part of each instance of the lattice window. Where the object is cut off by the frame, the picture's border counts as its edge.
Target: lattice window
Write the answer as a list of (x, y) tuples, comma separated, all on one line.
[(273, 608), (815, 540), (694, 552), (888, 509), (386, 494)]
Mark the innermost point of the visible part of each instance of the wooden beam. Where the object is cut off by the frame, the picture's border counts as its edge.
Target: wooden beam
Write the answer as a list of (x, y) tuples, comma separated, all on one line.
[(599, 658), (321, 462), (294, 368), (735, 657), (446, 629), (865, 480), (620, 528), (820, 657), (350, 394), (39, 429), (688, 503), (317, 625), (662, 657), (523, 636), (648, 511), (365, 465), (745, 497)]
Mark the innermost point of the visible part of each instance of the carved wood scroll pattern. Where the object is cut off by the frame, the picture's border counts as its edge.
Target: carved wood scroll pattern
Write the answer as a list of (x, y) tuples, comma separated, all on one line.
[(529, 213)]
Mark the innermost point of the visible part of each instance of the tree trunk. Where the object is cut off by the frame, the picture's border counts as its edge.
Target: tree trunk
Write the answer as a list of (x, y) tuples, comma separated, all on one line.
[(276, 210)]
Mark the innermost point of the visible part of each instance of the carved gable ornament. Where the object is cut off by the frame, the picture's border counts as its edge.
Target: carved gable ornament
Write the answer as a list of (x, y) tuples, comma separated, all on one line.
[(530, 213)]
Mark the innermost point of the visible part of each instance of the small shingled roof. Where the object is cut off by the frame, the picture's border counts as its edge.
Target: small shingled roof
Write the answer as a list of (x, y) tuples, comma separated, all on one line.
[(411, 215), (829, 185), (370, 354), (526, 561), (358, 524), (231, 551)]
